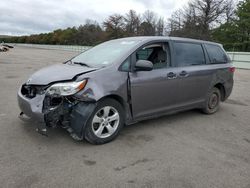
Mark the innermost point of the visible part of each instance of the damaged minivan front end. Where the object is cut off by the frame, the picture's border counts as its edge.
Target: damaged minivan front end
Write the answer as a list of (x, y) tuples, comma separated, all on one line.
[(55, 104), (88, 95)]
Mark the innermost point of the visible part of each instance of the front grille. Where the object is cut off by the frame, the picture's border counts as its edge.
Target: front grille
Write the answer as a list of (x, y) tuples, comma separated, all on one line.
[(30, 91)]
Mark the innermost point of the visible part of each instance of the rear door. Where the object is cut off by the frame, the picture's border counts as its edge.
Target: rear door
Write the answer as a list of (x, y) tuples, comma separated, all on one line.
[(193, 74), (222, 67)]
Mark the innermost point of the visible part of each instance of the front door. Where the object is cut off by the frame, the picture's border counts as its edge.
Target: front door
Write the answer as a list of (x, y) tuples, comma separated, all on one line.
[(154, 91)]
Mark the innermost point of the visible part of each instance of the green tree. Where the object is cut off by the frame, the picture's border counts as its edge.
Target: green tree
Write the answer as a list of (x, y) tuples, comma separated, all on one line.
[(235, 34), (89, 34), (243, 24)]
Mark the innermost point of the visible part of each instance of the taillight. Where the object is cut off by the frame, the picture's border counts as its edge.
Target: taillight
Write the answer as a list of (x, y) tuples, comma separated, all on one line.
[(232, 69)]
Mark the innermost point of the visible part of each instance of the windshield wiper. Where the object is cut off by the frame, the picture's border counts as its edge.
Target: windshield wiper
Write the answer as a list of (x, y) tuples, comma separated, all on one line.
[(82, 64)]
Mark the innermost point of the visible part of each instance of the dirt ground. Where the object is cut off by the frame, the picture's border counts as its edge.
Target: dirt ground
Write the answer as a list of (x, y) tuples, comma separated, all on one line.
[(188, 149)]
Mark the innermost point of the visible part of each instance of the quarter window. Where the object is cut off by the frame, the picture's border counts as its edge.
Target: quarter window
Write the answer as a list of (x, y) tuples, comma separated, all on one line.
[(216, 54), (126, 65), (187, 54)]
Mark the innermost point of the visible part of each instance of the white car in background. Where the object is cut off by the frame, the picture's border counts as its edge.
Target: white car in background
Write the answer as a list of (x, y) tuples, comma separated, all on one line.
[(5, 47)]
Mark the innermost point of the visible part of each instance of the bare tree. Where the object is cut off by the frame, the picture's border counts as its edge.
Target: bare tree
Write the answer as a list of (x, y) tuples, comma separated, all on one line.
[(230, 11), (160, 25), (148, 25), (199, 17), (175, 23), (114, 26), (209, 12), (150, 17), (132, 23)]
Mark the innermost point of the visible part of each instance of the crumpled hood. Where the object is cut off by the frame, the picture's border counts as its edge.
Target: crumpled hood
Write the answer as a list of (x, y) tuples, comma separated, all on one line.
[(58, 72)]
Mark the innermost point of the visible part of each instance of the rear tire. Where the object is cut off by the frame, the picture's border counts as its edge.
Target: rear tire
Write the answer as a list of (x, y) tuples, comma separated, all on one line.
[(212, 103), (105, 122)]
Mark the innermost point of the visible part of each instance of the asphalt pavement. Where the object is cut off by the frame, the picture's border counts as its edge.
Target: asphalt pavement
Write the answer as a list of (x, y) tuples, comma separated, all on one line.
[(185, 150)]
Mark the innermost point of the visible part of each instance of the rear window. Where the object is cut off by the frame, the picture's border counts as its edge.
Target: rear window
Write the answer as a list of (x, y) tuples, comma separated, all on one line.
[(187, 54), (216, 54)]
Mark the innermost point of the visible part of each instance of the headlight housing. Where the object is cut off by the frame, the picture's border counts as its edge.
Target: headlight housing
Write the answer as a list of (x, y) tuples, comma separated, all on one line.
[(66, 88)]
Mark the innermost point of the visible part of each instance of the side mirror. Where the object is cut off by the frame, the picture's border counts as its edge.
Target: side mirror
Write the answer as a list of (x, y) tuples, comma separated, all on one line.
[(143, 65)]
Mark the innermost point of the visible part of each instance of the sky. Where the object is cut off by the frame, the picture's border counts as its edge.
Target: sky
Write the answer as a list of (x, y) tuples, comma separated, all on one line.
[(24, 17)]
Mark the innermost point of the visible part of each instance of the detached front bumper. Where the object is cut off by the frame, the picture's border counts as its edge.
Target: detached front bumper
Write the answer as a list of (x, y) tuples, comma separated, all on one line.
[(32, 107)]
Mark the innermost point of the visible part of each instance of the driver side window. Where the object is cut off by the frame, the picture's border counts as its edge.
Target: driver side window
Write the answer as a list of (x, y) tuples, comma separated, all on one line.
[(157, 53)]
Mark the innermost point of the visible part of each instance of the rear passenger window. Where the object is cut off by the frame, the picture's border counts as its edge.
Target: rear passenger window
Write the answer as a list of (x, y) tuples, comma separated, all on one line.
[(187, 54), (216, 54)]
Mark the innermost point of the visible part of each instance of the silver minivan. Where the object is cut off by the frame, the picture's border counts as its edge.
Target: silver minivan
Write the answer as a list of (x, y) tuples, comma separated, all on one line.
[(123, 81)]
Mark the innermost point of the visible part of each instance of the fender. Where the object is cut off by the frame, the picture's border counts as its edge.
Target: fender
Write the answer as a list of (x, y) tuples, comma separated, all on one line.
[(80, 115)]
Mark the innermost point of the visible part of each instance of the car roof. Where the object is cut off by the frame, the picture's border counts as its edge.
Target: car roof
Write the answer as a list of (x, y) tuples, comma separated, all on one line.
[(152, 38)]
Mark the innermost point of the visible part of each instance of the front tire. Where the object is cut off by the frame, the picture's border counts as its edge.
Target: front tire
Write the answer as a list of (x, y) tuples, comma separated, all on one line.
[(105, 122), (212, 103)]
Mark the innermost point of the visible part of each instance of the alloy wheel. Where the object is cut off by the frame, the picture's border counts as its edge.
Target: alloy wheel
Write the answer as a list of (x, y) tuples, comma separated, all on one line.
[(105, 122)]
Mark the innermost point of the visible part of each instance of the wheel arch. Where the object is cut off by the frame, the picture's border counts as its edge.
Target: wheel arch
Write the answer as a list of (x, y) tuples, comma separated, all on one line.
[(126, 107), (115, 97), (222, 90)]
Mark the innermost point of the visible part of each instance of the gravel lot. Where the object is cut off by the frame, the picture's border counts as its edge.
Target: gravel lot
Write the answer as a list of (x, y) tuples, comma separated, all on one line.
[(188, 149)]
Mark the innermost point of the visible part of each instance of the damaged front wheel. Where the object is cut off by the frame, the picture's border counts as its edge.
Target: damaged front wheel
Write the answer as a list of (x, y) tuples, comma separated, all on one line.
[(105, 122)]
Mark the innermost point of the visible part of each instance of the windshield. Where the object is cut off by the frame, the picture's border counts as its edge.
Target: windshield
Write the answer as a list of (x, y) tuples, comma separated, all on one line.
[(105, 53)]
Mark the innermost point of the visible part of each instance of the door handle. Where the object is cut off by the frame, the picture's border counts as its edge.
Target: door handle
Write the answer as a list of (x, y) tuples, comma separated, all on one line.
[(183, 74), (171, 75)]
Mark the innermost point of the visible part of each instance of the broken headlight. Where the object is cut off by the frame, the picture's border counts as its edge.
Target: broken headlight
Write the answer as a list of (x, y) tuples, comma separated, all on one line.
[(66, 88)]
